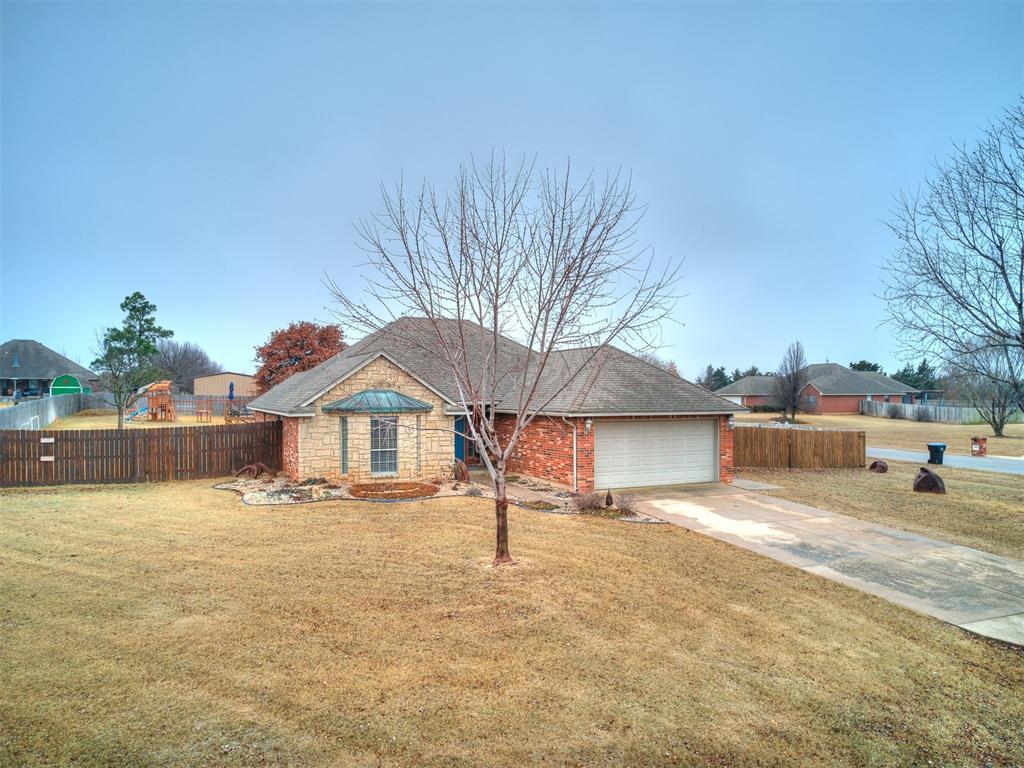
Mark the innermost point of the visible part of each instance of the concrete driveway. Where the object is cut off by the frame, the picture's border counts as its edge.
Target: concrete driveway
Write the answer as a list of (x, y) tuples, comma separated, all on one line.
[(975, 590)]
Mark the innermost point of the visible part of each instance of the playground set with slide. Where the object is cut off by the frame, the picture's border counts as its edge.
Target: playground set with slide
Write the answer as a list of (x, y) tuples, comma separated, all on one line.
[(160, 406)]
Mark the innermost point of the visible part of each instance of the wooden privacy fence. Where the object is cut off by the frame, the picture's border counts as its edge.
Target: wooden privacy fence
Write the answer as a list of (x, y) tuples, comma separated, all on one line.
[(796, 448), (53, 457)]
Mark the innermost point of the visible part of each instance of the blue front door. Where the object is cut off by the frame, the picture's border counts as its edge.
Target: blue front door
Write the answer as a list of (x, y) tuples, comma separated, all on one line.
[(460, 443)]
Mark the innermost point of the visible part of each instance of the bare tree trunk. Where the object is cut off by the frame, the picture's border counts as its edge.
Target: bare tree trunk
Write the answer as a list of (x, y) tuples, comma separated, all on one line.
[(501, 553), (120, 416)]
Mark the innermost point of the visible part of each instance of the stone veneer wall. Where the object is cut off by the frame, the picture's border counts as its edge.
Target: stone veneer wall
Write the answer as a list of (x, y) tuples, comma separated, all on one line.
[(545, 449), (319, 436)]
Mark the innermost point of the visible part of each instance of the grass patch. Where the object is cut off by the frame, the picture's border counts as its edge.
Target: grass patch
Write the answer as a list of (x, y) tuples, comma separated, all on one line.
[(168, 624), (913, 435), (979, 509), (103, 419)]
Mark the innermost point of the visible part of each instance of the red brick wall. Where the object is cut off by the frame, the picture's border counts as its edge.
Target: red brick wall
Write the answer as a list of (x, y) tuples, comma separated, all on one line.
[(838, 403), (749, 400), (726, 466), (545, 449), (290, 446)]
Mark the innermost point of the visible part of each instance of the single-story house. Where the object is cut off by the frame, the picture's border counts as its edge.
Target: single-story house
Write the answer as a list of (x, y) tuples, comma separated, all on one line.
[(27, 368), (219, 384), (386, 408), (831, 388)]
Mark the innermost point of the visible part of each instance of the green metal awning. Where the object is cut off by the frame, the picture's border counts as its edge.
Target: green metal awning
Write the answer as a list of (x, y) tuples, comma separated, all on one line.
[(377, 401)]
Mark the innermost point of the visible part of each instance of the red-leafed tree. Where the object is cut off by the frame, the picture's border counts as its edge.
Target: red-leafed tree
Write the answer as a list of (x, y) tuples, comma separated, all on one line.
[(297, 348)]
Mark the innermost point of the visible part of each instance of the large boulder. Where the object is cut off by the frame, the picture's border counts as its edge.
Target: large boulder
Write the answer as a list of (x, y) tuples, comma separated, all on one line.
[(928, 482)]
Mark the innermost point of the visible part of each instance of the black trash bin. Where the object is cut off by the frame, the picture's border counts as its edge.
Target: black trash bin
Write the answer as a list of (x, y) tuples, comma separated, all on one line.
[(935, 451)]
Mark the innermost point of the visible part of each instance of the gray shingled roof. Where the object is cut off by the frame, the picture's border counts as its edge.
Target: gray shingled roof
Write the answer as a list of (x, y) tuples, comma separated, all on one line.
[(612, 382), (835, 379), (827, 378), (35, 361), (749, 385)]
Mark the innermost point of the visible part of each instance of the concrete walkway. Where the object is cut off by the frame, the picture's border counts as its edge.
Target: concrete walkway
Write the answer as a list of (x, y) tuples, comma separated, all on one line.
[(1002, 464), (975, 590)]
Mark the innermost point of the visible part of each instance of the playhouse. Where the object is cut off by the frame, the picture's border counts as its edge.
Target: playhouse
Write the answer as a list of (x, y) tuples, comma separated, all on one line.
[(159, 403)]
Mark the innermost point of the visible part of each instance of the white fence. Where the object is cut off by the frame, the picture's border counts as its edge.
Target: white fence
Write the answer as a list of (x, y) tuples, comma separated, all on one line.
[(37, 414), (947, 414)]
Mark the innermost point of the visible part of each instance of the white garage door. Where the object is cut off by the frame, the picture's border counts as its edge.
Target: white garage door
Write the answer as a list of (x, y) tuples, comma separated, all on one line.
[(628, 454)]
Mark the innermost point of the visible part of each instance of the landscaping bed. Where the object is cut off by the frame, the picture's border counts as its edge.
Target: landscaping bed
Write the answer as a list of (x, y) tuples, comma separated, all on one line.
[(280, 489), (392, 490)]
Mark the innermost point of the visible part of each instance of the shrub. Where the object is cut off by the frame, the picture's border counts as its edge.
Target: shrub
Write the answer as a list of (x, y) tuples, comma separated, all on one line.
[(626, 504), (764, 409), (924, 413), (893, 411), (392, 490), (589, 502)]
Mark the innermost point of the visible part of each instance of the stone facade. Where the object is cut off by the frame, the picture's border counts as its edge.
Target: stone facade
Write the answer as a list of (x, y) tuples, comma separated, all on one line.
[(545, 449), (426, 447)]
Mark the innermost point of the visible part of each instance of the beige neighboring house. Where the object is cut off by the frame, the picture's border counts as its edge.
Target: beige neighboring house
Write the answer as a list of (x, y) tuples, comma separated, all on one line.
[(218, 384)]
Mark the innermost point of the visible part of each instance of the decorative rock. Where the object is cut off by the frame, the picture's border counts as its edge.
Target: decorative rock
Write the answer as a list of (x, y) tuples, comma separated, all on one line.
[(928, 482), (879, 466)]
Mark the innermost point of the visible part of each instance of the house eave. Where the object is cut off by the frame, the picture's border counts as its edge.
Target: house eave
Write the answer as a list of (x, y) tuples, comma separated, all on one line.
[(625, 414), (296, 414)]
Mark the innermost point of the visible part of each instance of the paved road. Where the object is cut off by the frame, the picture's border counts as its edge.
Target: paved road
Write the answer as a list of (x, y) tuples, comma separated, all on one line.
[(975, 590), (1000, 464)]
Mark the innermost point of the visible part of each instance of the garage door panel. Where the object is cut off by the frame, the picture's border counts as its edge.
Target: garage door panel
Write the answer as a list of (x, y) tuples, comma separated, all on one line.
[(655, 452)]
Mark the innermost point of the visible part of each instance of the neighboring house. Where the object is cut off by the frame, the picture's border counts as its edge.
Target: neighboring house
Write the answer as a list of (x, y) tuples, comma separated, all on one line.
[(27, 368), (218, 385), (831, 388), (385, 408)]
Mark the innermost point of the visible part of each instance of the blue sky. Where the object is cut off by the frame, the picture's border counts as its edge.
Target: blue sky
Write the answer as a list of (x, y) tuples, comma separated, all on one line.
[(215, 156)]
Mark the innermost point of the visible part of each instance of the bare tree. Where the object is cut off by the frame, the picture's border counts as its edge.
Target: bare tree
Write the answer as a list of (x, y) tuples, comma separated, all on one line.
[(986, 379), (182, 362), (517, 252), (955, 287), (652, 358), (791, 380)]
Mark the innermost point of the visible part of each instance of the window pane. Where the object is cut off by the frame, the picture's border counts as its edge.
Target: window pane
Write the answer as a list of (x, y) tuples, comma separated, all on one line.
[(384, 445)]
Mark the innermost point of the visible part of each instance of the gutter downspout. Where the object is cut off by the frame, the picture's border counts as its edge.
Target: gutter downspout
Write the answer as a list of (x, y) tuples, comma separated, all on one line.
[(575, 485)]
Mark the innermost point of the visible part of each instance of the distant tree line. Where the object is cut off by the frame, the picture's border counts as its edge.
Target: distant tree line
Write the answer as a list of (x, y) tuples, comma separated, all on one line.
[(715, 377)]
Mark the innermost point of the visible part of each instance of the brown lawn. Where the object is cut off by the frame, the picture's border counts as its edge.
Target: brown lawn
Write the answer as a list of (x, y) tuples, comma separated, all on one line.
[(980, 509), (170, 625), (97, 419), (914, 435)]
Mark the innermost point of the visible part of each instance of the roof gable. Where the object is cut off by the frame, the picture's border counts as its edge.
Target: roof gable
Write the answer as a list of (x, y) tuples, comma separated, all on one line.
[(608, 380)]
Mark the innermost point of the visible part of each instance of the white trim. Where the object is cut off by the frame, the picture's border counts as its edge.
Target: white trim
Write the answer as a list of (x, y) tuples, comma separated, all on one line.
[(302, 415), (599, 415), (365, 363)]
